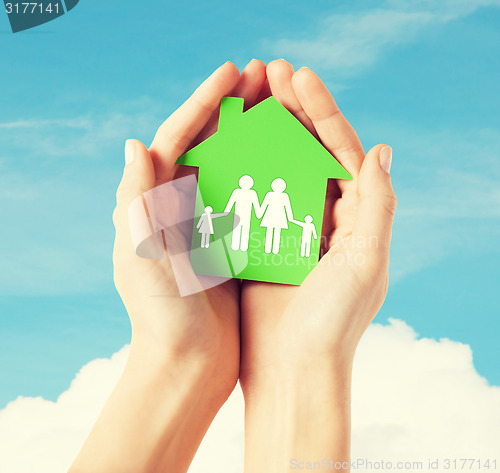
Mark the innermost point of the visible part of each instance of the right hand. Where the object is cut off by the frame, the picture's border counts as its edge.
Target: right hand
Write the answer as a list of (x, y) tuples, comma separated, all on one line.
[(321, 322)]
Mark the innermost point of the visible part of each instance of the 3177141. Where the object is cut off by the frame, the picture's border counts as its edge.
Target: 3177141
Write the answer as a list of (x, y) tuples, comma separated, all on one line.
[(30, 8)]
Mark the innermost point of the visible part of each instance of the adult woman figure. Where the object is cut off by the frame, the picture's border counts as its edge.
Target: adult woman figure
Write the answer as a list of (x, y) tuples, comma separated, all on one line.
[(277, 212)]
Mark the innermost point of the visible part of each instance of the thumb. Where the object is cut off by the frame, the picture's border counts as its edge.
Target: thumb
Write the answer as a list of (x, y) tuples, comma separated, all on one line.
[(138, 177), (378, 202), (138, 174)]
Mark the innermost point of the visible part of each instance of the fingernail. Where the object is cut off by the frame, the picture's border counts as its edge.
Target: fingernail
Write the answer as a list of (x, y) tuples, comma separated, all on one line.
[(129, 151), (385, 158)]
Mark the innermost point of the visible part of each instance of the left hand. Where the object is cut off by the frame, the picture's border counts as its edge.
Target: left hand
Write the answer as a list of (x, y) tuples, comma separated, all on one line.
[(287, 328), (202, 328)]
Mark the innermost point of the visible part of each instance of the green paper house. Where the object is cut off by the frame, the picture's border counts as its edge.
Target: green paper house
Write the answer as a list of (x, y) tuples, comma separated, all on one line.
[(262, 180)]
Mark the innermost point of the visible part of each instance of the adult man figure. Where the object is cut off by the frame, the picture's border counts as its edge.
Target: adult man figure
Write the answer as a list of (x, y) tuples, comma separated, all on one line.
[(243, 199)]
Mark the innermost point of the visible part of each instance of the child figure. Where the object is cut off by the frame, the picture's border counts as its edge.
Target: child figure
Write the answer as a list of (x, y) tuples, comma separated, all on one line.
[(308, 232), (205, 225)]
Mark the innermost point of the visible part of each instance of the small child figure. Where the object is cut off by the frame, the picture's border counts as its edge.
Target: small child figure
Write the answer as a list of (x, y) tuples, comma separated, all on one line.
[(308, 232), (205, 227)]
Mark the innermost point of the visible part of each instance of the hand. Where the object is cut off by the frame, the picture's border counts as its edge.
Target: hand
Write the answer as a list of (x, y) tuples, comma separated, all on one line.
[(184, 354), (298, 342), (205, 326), (350, 282)]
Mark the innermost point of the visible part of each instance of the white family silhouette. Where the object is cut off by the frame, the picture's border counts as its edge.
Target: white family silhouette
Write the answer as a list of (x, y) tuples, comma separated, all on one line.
[(274, 213)]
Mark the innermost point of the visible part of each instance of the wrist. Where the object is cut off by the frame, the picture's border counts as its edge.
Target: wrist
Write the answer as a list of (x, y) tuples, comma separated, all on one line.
[(305, 414), (157, 414), (299, 369), (298, 382), (195, 370)]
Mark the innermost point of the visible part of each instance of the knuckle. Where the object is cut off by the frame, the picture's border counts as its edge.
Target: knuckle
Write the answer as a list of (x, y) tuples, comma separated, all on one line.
[(325, 115), (380, 202), (352, 147), (391, 203), (173, 138), (179, 140), (203, 104)]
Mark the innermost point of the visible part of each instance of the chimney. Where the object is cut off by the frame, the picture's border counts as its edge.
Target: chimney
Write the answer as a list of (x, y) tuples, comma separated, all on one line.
[(230, 109)]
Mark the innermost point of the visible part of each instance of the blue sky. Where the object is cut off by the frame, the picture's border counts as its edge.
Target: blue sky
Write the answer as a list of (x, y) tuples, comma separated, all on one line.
[(421, 77)]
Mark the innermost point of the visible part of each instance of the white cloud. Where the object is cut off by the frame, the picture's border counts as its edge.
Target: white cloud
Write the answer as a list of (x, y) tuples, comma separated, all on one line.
[(44, 436), (413, 399), (350, 42), (421, 398)]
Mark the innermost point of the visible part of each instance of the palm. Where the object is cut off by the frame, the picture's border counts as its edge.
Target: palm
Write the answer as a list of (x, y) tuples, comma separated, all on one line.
[(192, 321), (205, 324), (338, 299), (281, 313)]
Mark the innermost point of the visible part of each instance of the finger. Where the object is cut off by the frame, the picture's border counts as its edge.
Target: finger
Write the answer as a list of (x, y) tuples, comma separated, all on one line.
[(138, 177), (248, 87), (336, 133), (333, 193), (176, 133), (251, 81), (279, 75), (265, 92), (377, 202)]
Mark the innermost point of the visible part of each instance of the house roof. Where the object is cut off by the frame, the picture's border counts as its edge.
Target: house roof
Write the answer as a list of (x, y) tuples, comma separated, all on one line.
[(272, 132)]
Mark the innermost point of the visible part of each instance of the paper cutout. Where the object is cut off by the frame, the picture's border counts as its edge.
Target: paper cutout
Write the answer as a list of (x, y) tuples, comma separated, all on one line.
[(266, 168), (308, 233), (243, 200), (205, 226)]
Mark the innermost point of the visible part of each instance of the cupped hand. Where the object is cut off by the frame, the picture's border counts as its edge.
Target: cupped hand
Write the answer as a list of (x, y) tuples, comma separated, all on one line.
[(321, 322), (203, 327)]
